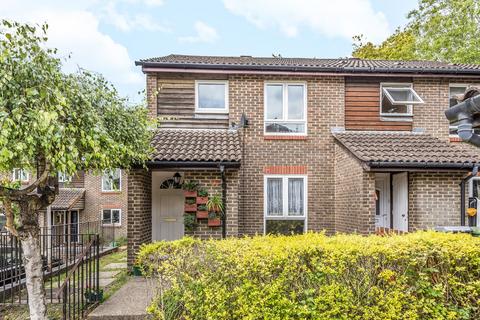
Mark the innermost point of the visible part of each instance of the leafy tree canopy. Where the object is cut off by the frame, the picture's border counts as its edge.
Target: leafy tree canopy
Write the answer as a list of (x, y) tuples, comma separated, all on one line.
[(72, 121), (441, 30)]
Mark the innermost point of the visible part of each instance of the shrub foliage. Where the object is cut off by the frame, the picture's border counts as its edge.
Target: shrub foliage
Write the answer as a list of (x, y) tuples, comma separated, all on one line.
[(423, 275)]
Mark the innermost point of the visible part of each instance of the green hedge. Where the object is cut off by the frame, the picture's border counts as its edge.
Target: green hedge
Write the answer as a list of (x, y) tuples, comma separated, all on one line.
[(422, 275)]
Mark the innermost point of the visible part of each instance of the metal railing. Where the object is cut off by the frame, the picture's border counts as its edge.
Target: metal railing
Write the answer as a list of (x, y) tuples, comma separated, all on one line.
[(108, 234), (71, 258), (81, 287)]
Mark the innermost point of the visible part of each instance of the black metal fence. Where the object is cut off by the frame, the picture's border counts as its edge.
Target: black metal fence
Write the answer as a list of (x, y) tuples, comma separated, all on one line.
[(69, 233), (71, 261)]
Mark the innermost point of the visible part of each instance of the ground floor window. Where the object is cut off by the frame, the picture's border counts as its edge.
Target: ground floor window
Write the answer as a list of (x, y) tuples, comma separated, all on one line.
[(112, 216), (285, 204)]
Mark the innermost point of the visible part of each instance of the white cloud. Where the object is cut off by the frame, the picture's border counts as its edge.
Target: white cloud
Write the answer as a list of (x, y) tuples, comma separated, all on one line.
[(154, 2), (75, 30), (204, 33), (338, 18), (127, 22)]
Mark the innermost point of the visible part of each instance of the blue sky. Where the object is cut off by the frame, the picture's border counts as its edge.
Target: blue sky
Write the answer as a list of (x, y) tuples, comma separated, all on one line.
[(109, 35)]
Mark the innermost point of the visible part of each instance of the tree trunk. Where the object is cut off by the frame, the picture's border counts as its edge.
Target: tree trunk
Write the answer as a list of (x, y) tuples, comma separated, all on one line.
[(32, 260), (29, 234)]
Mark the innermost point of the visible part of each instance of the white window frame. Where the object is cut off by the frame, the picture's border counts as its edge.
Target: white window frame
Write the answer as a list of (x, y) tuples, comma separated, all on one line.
[(113, 190), (211, 110), (284, 85), (394, 85), (25, 172), (111, 217), (63, 177), (285, 215), (455, 85)]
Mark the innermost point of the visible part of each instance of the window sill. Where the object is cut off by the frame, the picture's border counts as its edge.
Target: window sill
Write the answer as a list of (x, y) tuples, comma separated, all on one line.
[(112, 192), (396, 118), (455, 139), (284, 137), (213, 111), (116, 225)]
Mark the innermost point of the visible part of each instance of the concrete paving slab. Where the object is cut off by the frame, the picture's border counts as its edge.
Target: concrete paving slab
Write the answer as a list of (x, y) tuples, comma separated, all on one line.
[(128, 303), (108, 274), (105, 282), (120, 265)]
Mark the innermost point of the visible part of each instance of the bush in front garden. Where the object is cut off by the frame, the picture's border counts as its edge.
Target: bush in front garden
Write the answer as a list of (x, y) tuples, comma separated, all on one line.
[(424, 275)]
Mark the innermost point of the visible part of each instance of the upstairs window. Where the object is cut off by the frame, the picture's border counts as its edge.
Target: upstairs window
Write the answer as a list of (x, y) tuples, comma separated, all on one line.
[(20, 175), (112, 180), (397, 99), (455, 90), (285, 108), (211, 96), (64, 178)]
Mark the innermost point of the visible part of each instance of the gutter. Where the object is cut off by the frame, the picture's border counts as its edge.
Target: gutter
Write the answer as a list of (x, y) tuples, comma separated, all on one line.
[(420, 165), (191, 164), (349, 70)]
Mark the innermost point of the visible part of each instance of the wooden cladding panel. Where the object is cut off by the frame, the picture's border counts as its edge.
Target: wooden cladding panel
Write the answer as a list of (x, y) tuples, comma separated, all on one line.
[(362, 107), (176, 104), (176, 97)]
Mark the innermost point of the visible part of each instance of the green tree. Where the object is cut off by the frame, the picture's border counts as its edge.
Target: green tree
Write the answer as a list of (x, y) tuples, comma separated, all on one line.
[(51, 122), (441, 30), (399, 46)]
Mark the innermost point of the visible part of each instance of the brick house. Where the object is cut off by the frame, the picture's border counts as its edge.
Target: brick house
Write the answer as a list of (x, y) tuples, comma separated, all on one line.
[(293, 144), (84, 201)]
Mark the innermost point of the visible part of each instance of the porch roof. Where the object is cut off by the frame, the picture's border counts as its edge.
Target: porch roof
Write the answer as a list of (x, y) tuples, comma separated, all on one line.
[(196, 145), (405, 150), (67, 198)]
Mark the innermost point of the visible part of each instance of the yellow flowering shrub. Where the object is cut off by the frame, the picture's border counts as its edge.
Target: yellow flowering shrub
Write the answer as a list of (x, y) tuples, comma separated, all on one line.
[(423, 275)]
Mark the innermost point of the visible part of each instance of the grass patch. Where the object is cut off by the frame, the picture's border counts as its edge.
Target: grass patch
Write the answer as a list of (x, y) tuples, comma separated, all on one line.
[(21, 312)]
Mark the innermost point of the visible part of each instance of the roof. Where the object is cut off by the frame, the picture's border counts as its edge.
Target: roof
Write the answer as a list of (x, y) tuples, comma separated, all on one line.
[(211, 145), (340, 65), (67, 198), (405, 149)]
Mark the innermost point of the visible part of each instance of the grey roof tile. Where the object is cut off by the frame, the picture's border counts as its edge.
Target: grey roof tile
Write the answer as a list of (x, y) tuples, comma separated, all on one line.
[(196, 145), (67, 198), (343, 65), (403, 147)]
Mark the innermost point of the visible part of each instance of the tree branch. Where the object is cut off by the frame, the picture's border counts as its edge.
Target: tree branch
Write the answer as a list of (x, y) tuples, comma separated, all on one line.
[(10, 224), (16, 193)]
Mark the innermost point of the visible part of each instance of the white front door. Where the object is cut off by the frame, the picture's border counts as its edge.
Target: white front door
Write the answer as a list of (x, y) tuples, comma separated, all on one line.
[(382, 200), (167, 217), (400, 201)]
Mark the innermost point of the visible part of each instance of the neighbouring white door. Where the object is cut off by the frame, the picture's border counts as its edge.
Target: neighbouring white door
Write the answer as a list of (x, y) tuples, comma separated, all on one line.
[(167, 218), (382, 200), (400, 201)]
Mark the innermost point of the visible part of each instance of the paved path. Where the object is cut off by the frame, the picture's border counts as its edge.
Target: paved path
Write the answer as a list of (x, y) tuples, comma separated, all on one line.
[(128, 303)]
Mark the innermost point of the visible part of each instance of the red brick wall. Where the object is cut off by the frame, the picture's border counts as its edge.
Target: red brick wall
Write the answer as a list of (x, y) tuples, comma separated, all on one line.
[(434, 199), (211, 180), (354, 194), (325, 100), (151, 79), (96, 200), (139, 220)]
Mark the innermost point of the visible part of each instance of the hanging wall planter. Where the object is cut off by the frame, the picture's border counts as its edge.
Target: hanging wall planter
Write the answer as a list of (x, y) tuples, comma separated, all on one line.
[(202, 196), (202, 212), (190, 189), (190, 205), (216, 222)]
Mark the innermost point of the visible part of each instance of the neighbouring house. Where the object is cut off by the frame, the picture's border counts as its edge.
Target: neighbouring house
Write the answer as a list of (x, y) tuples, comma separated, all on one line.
[(85, 202), (296, 144)]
